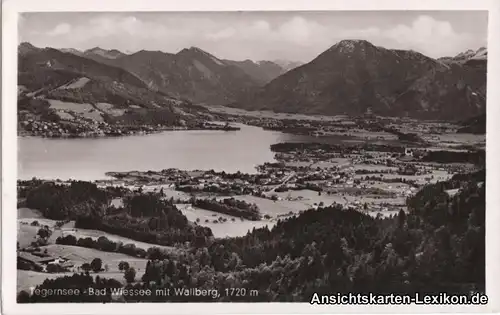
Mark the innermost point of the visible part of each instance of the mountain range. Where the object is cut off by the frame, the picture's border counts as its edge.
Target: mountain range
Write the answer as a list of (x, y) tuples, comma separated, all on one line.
[(351, 77), (45, 72), (470, 56), (192, 73), (75, 87)]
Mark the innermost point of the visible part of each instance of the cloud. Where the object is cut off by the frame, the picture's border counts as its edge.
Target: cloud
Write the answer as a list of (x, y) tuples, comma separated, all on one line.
[(425, 34), (60, 29), (300, 31), (222, 34), (302, 38)]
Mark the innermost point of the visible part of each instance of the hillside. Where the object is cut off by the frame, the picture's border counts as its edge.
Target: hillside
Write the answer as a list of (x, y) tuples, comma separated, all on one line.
[(60, 86), (261, 71), (101, 55), (190, 74), (438, 245), (476, 125), (353, 76)]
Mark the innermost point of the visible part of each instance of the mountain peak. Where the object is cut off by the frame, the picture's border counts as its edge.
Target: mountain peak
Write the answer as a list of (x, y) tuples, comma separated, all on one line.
[(353, 42), (108, 54), (467, 56), (199, 54), (26, 47), (71, 51), (95, 49), (26, 44), (193, 50), (115, 51), (350, 45)]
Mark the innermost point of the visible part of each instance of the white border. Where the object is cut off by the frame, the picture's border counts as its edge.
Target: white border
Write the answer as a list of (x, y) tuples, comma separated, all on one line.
[(9, 149)]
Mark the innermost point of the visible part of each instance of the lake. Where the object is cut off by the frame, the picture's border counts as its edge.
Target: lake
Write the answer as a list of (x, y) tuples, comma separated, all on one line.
[(91, 158)]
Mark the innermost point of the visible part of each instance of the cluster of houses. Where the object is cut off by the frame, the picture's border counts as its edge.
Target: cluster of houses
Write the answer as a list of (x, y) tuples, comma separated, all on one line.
[(78, 127)]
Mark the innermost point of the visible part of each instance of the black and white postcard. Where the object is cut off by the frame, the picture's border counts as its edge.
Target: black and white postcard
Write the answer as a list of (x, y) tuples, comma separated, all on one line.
[(250, 157)]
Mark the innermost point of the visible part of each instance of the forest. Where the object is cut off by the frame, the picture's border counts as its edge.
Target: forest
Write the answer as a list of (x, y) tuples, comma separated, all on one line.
[(145, 217), (474, 157), (230, 206)]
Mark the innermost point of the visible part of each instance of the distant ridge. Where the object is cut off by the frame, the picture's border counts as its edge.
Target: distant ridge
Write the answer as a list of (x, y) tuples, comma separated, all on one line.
[(350, 77), (354, 75)]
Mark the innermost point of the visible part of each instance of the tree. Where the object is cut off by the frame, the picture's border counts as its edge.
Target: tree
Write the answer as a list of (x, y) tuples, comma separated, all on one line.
[(43, 233), (52, 268), (154, 253), (23, 297), (401, 218), (130, 275), (96, 264), (86, 267), (123, 266)]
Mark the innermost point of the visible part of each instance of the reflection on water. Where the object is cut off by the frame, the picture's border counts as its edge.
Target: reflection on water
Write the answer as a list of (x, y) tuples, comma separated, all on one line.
[(89, 159)]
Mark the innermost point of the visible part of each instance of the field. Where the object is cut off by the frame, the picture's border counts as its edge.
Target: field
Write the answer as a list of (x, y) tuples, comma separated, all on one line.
[(269, 114), (77, 255), (360, 134), (455, 139), (290, 203), (28, 213), (27, 233), (80, 255), (85, 110), (27, 279), (374, 168), (95, 234), (110, 109), (435, 176), (229, 228), (272, 208), (75, 84)]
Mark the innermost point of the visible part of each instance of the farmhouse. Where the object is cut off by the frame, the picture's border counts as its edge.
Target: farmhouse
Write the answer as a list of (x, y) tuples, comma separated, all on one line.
[(31, 262), (32, 259), (41, 263)]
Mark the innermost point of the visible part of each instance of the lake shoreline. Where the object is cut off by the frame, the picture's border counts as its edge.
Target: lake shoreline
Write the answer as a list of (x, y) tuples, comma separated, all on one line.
[(120, 133)]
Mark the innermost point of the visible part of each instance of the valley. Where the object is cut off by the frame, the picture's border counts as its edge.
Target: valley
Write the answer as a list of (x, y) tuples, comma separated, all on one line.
[(362, 170), (375, 174), (67, 93)]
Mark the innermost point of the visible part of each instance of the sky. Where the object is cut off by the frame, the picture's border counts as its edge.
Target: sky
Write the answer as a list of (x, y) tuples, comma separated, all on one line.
[(295, 36)]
